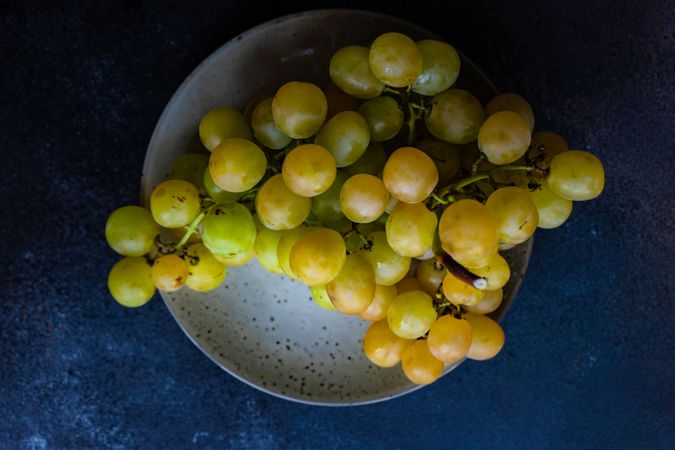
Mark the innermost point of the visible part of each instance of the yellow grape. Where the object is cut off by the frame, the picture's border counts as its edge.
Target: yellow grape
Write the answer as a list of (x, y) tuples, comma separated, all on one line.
[(350, 70), (216, 192), (390, 267), (236, 165), (430, 274), (299, 109), (278, 207), (346, 136), (410, 229), (317, 257), (353, 289), (382, 347), (489, 303), (174, 203), (131, 231), (229, 230), (286, 243), (449, 339), (460, 293), (265, 248), (205, 271), (509, 101), (548, 143), (169, 273), (308, 170), (515, 213), (497, 272), (395, 59), (239, 260), (410, 175), (419, 365), (130, 282), (504, 137), (409, 284), (320, 296), (220, 124), (455, 116), (363, 198), (553, 209), (411, 314), (380, 305), (576, 175), (440, 67), (384, 118), (488, 337), (265, 129)]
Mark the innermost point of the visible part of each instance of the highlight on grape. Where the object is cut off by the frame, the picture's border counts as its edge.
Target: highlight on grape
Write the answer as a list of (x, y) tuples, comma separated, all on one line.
[(390, 193)]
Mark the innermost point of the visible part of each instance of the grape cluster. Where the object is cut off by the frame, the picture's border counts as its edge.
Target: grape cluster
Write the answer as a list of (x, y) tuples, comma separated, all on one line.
[(390, 194)]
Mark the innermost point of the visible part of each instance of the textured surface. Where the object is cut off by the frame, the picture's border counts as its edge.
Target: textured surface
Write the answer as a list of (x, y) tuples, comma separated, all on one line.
[(589, 356)]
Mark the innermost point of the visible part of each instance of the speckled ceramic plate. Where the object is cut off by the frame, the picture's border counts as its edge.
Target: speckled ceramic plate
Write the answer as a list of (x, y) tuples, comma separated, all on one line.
[(263, 328)]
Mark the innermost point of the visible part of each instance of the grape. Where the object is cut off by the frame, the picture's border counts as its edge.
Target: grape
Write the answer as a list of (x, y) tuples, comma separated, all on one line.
[(390, 267), (265, 129), (239, 260), (350, 71), (169, 273), (515, 213), (460, 293), (174, 203), (353, 289), (411, 314), (130, 282), (468, 232), (220, 124), (346, 136), (326, 206), (265, 248), (553, 210), (228, 230), (131, 231), (410, 229), (371, 162), (488, 337), (236, 165), (308, 170), (317, 257), (188, 166), (447, 157), (205, 271), (511, 102), (252, 105), (576, 175), (395, 59), (419, 365), (409, 284), (547, 142), (380, 305), (430, 274), (383, 116), (449, 339), (363, 198), (410, 175), (215, 192), (489, 303), (504, 137), (278, 208), (382, 347), (440, 67), (455, 116), (497, 272), (320, 296), (286, 243), (299, 109), (338, 101)]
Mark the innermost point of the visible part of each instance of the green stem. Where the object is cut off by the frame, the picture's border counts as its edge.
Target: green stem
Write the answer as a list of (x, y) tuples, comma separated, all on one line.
[(412, 119), (479, 177), (391, 90), (191, 229)]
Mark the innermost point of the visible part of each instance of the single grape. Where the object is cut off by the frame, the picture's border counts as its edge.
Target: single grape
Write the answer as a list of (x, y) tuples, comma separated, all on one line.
[(497, 272), (237, 165), (169, 273), (410, 229), (411, 314), (228, 230), (515, 213), (390, 267), (419, 365), (130, 282), (460, 293), (440, 67), (350, 71), (576, 175), (430, 274), (547, 143), (511, 102), (338, 101), (384, 118), (410, 175), (188, 167), (395, 59), (220, 124), (353, 289), (409, 284), (252, 105), (455, 116), (286, 243), (174, 203), (446, 156), (346, 136), (320, 296), (265, 248), (489, 303), (278, 208), (239, 260), (131, 231), (215, 192), (308, 170), (317, 257), (265, 130), (382, 347), (326, 206), (371, 162), (205, 271), (553, 209), (363, 198), (488, 337), (449, 339), (299, 109), (380, 305), (504, 137)]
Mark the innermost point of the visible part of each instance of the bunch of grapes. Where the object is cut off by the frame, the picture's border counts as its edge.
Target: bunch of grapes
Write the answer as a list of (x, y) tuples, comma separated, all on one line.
[(390, 194)]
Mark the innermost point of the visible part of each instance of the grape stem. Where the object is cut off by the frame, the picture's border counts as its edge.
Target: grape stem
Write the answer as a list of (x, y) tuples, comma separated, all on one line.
[(461, 272), (412, 120), (461, 184), (193, 226)]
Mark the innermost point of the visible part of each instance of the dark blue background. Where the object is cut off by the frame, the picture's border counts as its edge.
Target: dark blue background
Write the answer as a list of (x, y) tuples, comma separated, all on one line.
[(589, 356)]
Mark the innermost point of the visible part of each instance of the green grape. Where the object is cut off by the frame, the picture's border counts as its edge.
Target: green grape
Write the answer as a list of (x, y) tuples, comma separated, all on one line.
[(504, 137), (308, 170), (174, 203), (130, 282), (228, 230), (220, 124), (489, 303), (382, 347), (363, 198), (321, 298), (390, 267), (440, 67), (411, 314), (265, 130), (353, 289), (553, 210), (576, 175), (215, 192), (338, 100), (265, 247), (252, 105), (384, 118), (395, 59), (285, 246), (410, 175), (449, 339), (468, 232), (371, 162), (278, 208), (409, 284), (488, 337), (237, 165), (238, 260), (326, 206), (205, 271), (455, 116), (446, 156), (511, 102), (188, 166), (131, 231), (169, 273), (515, 213), (430, 274), (459, 292), (419, 365), (548, 143), (317, 257), (346, 136), (350, 71), (380, 305), (299, 109), (497, 272), (410, 229)]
